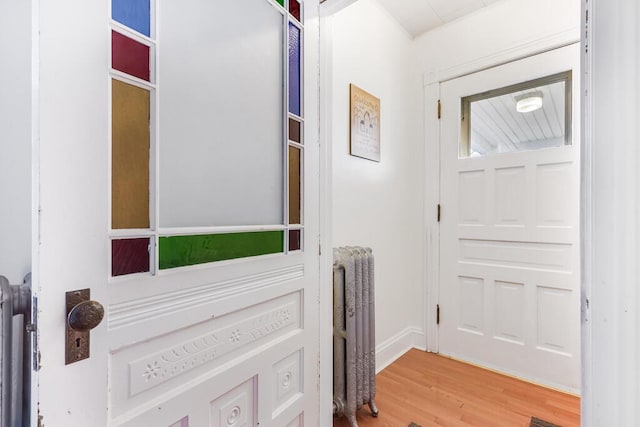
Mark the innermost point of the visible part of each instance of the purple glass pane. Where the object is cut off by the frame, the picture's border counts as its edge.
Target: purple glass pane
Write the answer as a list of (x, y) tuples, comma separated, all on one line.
[(129, 256), (294, 69), (295, 240)]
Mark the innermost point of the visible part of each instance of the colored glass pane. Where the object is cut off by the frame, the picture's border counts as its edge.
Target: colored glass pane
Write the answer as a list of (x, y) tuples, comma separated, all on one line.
[(294, 69), (294, 9), (129, 56), (180, 251), (129, 256), (295, 130), (294, 185), (280, 2), (135, 14), (295, 240), (130, 156)]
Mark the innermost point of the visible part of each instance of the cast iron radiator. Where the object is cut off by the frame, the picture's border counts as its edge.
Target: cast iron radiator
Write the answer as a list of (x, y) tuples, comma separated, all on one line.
[(354, 357)]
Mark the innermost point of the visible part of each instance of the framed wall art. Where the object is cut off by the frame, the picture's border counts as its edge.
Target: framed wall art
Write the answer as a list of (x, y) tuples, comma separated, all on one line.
[(365, 124)]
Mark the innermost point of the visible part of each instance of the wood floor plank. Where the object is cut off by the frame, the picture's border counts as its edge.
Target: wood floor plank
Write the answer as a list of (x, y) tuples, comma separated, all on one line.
[(432, 390)]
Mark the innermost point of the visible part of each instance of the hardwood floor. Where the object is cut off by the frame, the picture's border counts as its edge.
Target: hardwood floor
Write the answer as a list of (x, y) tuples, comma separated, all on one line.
[(432, 390)]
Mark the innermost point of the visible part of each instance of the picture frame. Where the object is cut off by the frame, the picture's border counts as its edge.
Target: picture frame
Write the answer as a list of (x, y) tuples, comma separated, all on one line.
[(364, 116)]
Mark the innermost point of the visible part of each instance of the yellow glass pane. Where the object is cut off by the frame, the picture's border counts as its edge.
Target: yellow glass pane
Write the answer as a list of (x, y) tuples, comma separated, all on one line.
[(130, 156), (295, 204)]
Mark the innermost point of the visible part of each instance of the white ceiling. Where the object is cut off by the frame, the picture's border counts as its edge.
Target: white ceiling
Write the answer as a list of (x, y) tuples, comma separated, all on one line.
[(419, 16)]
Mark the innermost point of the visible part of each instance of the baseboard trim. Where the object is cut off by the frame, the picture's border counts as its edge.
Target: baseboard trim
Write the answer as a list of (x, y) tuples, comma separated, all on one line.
[(513, 374), (391, 349)]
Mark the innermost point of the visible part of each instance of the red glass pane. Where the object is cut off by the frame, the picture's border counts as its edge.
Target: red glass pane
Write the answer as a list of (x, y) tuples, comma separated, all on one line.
[(295, 240), (129, 256), (294, 9), (129, 56), (295, 130)]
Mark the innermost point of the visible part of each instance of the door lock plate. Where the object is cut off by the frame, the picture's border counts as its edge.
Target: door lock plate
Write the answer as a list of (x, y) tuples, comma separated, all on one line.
[(77, 342)]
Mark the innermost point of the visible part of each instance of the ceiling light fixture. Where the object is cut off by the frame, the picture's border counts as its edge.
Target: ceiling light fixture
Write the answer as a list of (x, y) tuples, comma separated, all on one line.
[(528, 102)]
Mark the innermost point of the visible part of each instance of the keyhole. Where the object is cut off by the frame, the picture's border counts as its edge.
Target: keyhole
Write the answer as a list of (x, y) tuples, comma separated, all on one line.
[(77, 342)]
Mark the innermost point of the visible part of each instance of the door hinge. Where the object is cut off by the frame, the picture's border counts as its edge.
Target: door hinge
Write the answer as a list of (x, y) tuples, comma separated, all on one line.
[(439, 109), (439, 212), (318, 366), (33, 328), (437, 314)]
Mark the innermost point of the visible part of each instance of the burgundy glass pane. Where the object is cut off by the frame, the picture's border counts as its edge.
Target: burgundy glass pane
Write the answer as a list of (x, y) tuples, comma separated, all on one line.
[(295, 240), (294, 9), (129, 56), (295, 130), (129, 256)]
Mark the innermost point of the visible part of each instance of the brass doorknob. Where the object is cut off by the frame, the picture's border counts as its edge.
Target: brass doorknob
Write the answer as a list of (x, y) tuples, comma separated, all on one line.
[(85, 316)]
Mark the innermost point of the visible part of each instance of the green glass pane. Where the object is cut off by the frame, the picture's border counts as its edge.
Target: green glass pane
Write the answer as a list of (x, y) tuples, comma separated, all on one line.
[(180, 251), (280, 2)]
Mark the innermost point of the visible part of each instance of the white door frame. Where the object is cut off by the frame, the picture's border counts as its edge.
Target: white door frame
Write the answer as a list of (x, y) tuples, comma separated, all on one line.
[(432, 81), (610, 174), (326, 206), (327, 9), (610, 213)]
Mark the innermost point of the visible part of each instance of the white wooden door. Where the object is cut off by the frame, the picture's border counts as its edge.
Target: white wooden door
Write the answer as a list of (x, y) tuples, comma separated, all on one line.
[(215, 329), (509, 285)]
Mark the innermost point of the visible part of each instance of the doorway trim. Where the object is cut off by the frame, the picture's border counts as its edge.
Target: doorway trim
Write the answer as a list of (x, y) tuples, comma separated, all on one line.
[(325, 293), (611, 202)]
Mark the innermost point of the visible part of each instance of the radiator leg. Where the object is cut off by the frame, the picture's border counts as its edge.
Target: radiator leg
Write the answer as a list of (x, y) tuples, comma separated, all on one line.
[(352, 420), (374, 408)]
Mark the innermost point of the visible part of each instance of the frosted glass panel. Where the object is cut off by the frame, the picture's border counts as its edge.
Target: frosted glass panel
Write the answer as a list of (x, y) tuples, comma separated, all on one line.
[(221, 114)]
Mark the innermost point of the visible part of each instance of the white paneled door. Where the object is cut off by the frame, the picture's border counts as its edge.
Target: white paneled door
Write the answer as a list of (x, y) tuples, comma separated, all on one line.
[(178, 181), (509, 287)]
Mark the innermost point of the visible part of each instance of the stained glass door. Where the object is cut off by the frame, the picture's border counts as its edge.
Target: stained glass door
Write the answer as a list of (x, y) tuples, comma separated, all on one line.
[(179, 182)]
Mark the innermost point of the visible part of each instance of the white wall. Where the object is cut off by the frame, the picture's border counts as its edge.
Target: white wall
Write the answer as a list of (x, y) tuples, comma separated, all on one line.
[(15, 139), (504, 26), (380, 204), (383, 205)]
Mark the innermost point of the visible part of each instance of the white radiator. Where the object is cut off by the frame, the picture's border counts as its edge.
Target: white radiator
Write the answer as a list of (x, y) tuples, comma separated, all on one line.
[(354, 357)]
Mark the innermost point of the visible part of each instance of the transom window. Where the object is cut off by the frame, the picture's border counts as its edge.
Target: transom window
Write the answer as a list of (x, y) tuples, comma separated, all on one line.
[(527, 116)]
